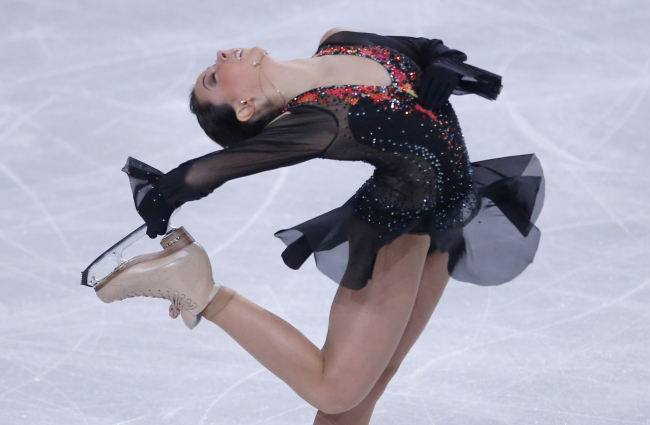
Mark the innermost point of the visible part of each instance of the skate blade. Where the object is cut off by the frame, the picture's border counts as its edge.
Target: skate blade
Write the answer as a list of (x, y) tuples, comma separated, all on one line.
[(112, 255)]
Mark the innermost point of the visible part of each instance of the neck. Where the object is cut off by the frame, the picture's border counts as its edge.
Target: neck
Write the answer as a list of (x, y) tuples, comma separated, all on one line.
[(290, 78)]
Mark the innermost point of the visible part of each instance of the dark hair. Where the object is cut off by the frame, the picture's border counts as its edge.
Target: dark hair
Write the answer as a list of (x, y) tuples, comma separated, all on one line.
[(220, 122)]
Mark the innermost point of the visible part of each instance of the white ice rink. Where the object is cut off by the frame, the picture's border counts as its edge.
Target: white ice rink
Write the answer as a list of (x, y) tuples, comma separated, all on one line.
[(84, 84)]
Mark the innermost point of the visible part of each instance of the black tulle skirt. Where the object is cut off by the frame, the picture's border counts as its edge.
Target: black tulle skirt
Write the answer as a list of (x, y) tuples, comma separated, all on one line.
[(494, 246)]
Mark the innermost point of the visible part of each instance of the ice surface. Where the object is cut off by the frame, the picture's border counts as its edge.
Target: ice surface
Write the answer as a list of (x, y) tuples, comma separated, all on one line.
[(84, 84)]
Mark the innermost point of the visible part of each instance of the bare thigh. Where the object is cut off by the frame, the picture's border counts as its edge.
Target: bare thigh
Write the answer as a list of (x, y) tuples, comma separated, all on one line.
[(433, 282), (366, 326)]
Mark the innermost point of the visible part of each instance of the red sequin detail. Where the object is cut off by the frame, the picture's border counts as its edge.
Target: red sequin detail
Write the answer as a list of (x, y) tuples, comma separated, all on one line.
[(401, 88), (426, 111)]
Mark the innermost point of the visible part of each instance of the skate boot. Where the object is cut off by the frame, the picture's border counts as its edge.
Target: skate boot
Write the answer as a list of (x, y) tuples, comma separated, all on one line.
[(181, 273)]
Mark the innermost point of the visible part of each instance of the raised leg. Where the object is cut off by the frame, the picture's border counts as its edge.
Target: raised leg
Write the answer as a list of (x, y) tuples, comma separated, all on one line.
[(433, 283), (365, 329)]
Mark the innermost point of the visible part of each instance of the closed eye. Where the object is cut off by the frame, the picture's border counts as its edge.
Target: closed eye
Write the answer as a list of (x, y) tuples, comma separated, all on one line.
[(214, 79)]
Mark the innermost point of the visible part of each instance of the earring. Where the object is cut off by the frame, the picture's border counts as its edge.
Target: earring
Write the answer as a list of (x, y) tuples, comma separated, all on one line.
[(243, 102)]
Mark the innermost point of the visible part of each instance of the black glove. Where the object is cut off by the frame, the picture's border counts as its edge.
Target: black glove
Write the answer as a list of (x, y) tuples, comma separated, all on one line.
[(155, 211), (436, 85), (149, 202)]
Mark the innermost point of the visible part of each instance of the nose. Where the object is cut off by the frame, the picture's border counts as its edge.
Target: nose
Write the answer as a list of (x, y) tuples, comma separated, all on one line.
[(222, 55)]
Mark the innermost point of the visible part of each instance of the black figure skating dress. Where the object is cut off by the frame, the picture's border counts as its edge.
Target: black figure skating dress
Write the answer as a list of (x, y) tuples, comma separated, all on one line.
[(481, 213)]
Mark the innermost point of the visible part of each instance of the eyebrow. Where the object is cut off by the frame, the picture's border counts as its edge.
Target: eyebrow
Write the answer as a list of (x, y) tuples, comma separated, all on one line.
[(206, 87)]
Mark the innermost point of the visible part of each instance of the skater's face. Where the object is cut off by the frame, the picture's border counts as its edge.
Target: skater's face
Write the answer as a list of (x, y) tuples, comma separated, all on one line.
[(231, 79)]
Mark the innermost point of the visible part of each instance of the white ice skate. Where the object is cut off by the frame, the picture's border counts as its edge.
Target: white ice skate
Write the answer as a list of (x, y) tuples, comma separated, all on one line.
[(180, 273)]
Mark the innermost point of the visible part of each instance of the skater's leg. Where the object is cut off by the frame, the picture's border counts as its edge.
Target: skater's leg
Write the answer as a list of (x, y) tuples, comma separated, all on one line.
[(364, 331), (433, 283)]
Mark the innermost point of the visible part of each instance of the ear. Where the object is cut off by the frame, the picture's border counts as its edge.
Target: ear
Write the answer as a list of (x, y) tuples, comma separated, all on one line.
[(245, 111)]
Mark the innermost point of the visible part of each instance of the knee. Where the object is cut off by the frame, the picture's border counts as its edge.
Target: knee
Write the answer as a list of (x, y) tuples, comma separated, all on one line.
[(336, 407), (337, 397), (336, 402)]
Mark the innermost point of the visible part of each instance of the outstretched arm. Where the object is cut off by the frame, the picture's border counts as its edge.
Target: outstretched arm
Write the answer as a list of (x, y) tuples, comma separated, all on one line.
[(303, 134)]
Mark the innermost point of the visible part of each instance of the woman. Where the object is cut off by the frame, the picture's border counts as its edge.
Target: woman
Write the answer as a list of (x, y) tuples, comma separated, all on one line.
[(425, 213)]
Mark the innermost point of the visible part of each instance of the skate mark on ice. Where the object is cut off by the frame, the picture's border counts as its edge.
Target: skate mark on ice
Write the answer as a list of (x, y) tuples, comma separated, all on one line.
[(628, 88), (45, 325), (544, 142), (486, 312), (527, 128), (465, 404), (538, 20), (107, 63), (40, 377), (585, 267), (42, 260), (426, 406), (603, 306), (128, 421), (633, 106), (425, 401), (223, 394), (50, 219), (25, 118), (153, 101), (600, 202), (534, 331), (48, 282), (524, 126), (546, 367), (277, 415), (66, 146), (640, 220), (256, 215)]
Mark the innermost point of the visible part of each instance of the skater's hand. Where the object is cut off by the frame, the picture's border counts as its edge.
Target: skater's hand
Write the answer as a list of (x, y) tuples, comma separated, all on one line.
[(155, 211), (436, 85)]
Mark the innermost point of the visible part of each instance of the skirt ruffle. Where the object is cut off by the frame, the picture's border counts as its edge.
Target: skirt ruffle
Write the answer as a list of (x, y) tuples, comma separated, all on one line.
[(493, 247)]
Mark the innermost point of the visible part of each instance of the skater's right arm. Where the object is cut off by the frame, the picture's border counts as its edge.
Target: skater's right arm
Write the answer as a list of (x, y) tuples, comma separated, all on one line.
[(300, 135), (444, 69)]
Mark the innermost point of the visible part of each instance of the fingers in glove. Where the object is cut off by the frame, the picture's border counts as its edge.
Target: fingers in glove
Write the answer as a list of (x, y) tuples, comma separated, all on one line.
[(155, 211), (433, 94), (151, 233), (444, 95), (157, 228), (423, 90), (441, 96)]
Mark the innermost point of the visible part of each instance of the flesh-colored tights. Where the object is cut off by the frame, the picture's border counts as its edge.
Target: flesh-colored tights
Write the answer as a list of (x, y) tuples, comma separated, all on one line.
[(370, 332)]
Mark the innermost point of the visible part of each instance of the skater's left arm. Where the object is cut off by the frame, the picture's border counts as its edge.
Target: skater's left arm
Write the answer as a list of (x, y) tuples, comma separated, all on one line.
[(300, 135)]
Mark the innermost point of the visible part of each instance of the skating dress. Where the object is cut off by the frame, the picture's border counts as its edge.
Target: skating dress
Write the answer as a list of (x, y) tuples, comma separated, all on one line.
[(482, 213)]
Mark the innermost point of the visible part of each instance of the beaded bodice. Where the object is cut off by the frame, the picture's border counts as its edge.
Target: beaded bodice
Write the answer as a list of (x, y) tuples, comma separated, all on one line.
[(421, 162), (403, 73)]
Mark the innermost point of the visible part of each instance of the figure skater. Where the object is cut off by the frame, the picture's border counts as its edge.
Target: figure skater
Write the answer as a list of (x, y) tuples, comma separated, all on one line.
[(425, 214)]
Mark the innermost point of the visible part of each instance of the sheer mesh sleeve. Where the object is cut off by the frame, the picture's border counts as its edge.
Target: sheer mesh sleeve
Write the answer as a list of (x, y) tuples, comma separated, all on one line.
[(425, 52), (303, 134)]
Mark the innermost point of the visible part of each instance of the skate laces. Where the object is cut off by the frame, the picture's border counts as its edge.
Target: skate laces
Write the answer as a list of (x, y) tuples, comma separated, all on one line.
[(179, 302)]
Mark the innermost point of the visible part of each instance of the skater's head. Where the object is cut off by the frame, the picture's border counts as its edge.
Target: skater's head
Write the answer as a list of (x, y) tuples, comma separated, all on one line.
[(230, 99)]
